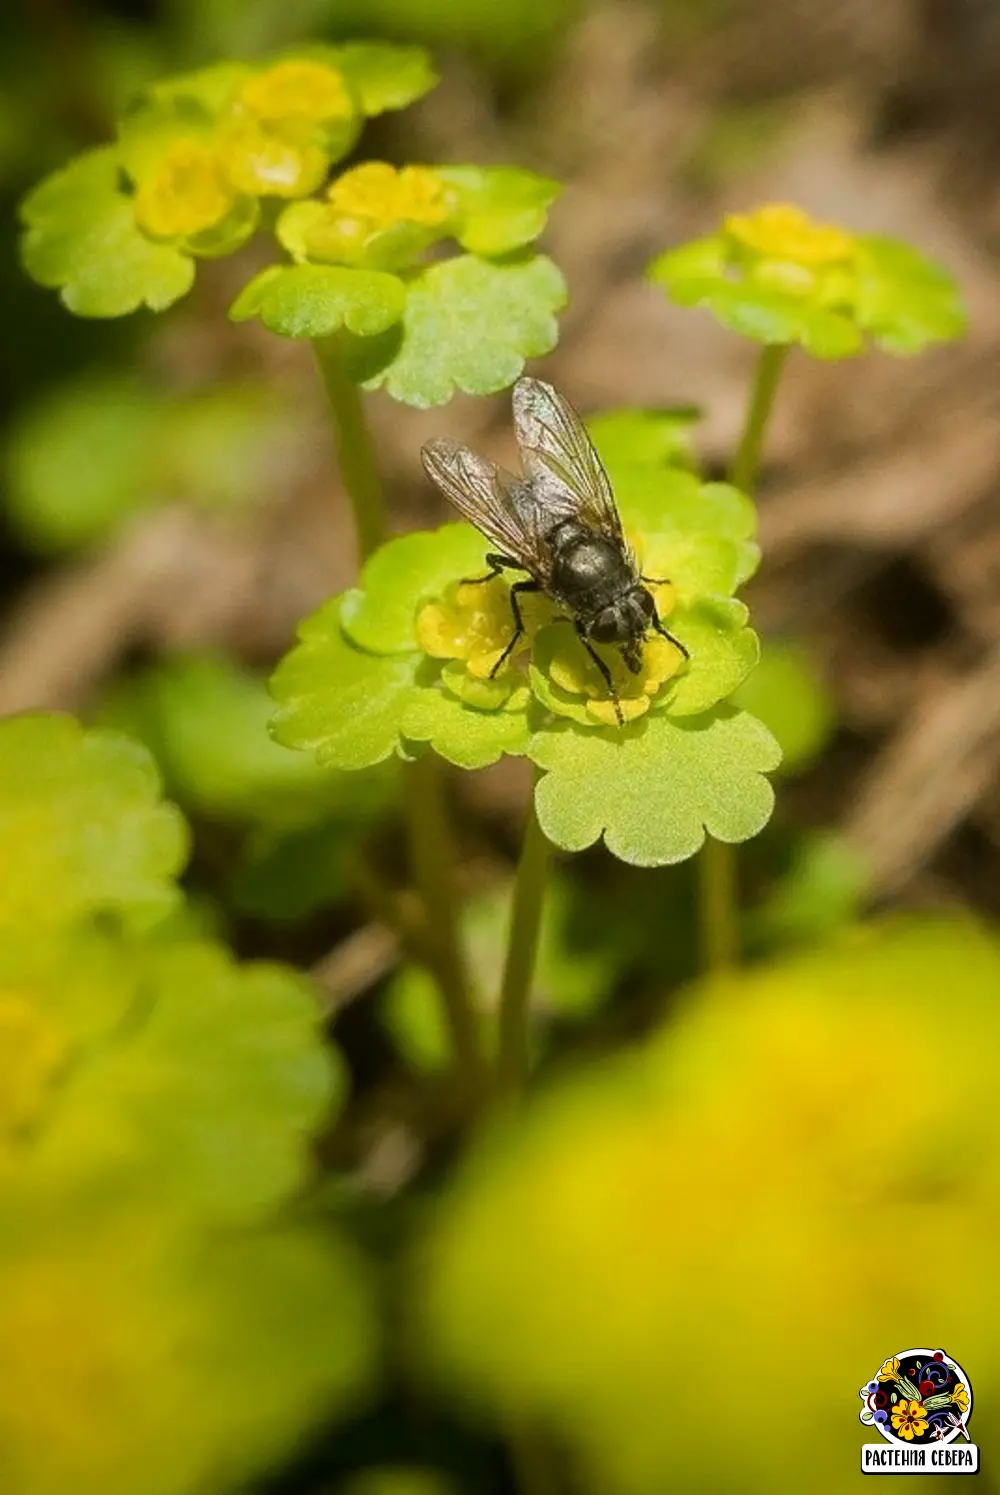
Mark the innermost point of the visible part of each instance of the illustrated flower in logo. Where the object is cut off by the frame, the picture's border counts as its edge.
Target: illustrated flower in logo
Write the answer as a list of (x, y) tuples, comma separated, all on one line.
[(918, 1397), (909, 1419)]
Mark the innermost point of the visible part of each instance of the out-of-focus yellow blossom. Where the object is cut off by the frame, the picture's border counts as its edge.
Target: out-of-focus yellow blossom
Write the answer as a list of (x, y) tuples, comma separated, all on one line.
[(265, 162), (188, 192), (298, 90), (718, 1200), (909, 1419), (33, 1050), (384, 195), (474, 623), (781, 231)]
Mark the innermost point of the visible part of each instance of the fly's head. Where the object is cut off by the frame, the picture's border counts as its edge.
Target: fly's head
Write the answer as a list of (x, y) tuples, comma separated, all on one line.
[(625, 622)]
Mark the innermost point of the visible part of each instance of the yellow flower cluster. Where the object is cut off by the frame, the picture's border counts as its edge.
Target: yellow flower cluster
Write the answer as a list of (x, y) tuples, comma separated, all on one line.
[(779, 244), (473, 624), (373, 212), (273, 140)]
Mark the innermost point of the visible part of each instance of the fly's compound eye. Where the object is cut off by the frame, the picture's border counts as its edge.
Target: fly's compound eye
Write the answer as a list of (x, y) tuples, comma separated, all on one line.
[(607, 627)]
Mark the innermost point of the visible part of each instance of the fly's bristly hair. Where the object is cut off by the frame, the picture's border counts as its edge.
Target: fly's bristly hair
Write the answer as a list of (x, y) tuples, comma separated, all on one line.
[(558, 522)]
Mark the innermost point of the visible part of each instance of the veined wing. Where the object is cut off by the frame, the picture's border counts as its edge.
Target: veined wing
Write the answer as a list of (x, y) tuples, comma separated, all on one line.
[(560, 459), (500, 505)]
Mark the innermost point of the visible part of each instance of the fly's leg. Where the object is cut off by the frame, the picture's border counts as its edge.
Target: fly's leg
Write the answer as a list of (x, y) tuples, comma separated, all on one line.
[(663, 581), (515, 607), (665, 633), (496, 563), (605, 672)]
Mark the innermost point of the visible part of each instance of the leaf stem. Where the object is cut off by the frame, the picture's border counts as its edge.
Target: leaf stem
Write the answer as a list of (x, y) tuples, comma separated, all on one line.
[(765, 387), (718, 901), (718, 866), (522, 949), (355, 448), (432, 860)]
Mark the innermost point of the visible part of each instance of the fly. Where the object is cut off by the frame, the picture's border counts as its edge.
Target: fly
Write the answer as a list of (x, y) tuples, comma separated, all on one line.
[(559, 523)]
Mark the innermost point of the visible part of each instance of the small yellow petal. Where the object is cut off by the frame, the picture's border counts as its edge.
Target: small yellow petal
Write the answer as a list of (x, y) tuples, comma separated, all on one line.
[(631, 708), (783, 231), (378, 192), (188, 192), (262, 163), (298, 90)]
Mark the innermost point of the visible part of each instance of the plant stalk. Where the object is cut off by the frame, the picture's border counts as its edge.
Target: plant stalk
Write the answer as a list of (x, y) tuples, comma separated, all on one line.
[(747, 460), (718, 864), (355, 448), (718, 904), (522, 949), (432, 860)]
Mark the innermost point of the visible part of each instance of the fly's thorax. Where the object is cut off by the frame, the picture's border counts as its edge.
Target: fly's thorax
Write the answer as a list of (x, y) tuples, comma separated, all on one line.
[(589, 571)]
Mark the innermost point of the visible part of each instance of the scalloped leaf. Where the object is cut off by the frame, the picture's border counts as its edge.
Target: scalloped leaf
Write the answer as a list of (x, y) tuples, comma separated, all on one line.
[(905, 300), (338, 701), (461, 734), (723, 652), (469, 325), (310, 301), (402, 574), (697, 535), (83, 827), (384, 76), (653, 789), (500, 208), (645, 438), (203, 1093), (82, 240)]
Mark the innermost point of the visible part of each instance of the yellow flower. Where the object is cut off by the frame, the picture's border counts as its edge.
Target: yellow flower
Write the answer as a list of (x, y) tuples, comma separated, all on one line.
[(298, 90), (890, 1370), (262, 162), (578, 674), (960, 1398), (780, 231), (474, 623), (188, 192), (379, 193), (32, 1052), (909, 1419)]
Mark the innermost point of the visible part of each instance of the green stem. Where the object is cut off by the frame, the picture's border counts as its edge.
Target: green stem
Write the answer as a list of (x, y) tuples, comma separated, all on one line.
[(522, 948), (718, 866), (355, 447), (718, 901), (432, 859), (747, 460)]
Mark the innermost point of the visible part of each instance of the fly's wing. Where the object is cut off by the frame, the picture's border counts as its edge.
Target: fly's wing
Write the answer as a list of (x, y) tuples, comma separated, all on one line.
[(497, 503), (560, 460)]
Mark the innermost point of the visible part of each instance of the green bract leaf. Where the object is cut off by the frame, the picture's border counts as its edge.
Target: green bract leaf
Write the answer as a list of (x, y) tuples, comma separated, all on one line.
[(383, 76), (500, 208), (338, 701), (466, 737), (469, 325), (644, 438), (83, 241), (791, 700), (402, 574), (777, 277), (697, 535), (200, 1086), (654, 788), (82, 827), (723, 653), (905, 301), (317, 300)]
